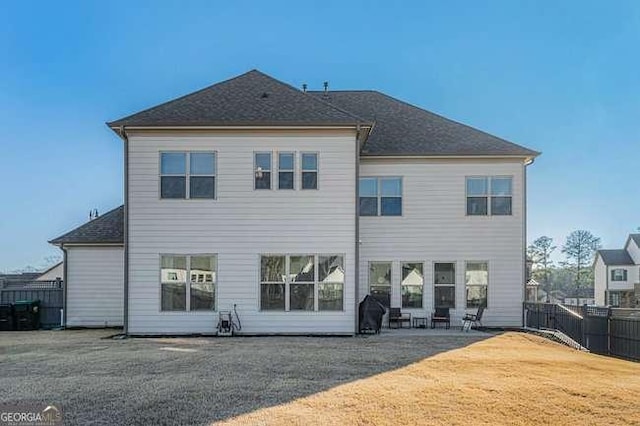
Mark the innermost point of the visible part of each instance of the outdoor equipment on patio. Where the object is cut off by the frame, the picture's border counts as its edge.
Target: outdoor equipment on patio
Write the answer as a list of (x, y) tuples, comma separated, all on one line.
[(226, 323), (370, 315), (441, 315), (472, 319), (398, 318)]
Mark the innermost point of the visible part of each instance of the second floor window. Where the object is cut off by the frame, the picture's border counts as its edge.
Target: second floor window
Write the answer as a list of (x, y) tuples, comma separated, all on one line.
[(380, 196), (489, 195), (186, 175), (262, 165), (309, 170), (286, 170), (618, 275)]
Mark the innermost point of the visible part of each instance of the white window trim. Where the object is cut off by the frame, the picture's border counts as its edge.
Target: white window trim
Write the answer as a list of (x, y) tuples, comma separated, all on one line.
[(614, 274), (287, 283), (187, 305), (454, 285), (317, 171), (423, 263), (476, 285), (379, 195), (488, 195), (369, 284), (255, 170), (187, 175), (292, 170)]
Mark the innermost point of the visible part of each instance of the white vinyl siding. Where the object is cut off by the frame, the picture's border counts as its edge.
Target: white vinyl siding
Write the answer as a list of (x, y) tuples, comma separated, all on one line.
[(239, 226), (434, 227), (95, 286)]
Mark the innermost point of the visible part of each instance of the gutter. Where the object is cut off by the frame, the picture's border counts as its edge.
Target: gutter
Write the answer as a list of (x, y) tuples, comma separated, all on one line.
[(356, 275), (125, 139), (65, 285)]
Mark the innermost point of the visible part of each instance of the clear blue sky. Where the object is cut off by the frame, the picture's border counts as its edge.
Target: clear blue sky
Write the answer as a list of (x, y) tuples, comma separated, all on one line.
[(560, 78)]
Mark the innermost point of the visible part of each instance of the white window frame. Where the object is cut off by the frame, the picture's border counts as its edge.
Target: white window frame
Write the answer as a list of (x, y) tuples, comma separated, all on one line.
[(466, 286), (187, 175), (188, 283), (614, 276), (488, 194), (255, 170), (379, 195), (407, 262), (292, 170), (316, 171), (288, 282), (390, 285), (454, 285)]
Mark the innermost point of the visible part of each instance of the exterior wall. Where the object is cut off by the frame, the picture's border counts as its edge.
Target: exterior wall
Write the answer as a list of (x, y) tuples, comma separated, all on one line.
[(95, 287), (599, 281), (238, 226), (632, 277), (434, 228)]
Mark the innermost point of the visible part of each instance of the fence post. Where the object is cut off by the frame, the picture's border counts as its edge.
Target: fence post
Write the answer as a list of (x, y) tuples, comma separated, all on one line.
[(609, 330)]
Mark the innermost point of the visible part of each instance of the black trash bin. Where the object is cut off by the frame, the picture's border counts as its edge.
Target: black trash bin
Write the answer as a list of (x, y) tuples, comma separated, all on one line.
[(6, 317), (27, 314)]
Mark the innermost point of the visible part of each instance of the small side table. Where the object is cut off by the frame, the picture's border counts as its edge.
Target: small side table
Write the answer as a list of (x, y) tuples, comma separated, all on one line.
[(419, 322)]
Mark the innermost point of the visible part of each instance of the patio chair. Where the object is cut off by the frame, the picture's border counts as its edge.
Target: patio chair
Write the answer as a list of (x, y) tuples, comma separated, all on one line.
[(396, 316), (472, 319), (441, 315)]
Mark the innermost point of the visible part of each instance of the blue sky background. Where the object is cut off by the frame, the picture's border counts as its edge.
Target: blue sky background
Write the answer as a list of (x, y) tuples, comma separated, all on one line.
[(559, 78)]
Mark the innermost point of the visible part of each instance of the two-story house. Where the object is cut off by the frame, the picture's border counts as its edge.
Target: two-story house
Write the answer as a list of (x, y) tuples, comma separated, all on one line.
[(294, 205), (617, 275)]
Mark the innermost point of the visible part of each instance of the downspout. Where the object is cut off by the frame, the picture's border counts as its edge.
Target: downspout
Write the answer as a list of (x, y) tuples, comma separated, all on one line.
[(65, 285), (125, 324), (356, 274), (524, 240)]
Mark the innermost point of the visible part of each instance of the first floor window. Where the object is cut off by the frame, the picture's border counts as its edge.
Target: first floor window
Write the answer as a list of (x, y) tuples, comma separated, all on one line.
[(301, 277), (444, 285), (330, 283), (618, 275), (476, 282), (412, 285), (380, 282), (194, 276), (272, 283)]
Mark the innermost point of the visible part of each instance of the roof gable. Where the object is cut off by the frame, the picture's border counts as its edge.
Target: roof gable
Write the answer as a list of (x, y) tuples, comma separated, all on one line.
[(105, 229), (250, 99), (402, 129)]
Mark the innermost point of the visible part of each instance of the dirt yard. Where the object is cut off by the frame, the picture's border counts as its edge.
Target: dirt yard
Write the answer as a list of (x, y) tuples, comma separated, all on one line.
[(508, 379)]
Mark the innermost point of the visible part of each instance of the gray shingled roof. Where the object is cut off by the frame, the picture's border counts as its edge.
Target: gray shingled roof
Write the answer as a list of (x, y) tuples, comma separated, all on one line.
[(250, 99), (402, 129), (615, 257), (106, 229)]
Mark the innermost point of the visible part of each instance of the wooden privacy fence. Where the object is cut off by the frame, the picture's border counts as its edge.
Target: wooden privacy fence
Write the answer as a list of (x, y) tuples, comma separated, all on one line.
[(49, 293), (602, 330)]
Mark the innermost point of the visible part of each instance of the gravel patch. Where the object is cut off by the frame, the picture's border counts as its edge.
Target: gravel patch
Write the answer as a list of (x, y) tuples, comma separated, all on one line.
[(98, 380)]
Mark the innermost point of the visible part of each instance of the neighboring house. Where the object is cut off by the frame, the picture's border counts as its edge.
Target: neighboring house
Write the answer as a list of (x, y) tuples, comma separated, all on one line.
[(55, 272), (292, 206), (617, 275)]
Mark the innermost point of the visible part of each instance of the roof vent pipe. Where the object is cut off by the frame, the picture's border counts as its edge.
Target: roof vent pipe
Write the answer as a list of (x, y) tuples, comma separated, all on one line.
[(304, 87), (326, 87)]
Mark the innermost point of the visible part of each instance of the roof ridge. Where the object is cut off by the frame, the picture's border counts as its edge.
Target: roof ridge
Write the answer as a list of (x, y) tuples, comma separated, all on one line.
[(254, 70)]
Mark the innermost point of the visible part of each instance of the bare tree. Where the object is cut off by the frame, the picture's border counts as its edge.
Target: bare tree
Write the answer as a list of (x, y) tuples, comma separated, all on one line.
[(540, 254), (579, 249)]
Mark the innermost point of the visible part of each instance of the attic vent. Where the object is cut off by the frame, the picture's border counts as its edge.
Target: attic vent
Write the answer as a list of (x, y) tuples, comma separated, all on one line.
[(264, 95)]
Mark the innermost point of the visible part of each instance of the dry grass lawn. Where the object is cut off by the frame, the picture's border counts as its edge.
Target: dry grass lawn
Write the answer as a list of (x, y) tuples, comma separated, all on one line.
[(512, 378)]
